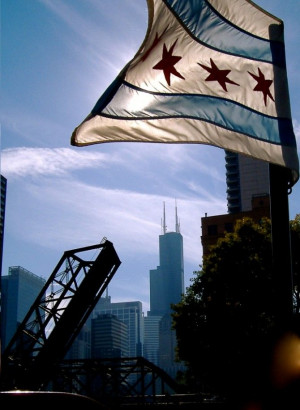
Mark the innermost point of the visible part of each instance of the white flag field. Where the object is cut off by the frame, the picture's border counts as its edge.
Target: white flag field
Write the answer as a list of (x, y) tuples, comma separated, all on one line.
[(208, 72)]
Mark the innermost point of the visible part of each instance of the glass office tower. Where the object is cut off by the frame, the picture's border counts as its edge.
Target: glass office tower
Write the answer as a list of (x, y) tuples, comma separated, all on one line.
[(20, 288), (130, 313), (167, 280), (166, 288), (109, 337)]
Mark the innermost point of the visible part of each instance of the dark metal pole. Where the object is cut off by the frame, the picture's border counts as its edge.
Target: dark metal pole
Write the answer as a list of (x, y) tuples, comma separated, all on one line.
[(281, 245)]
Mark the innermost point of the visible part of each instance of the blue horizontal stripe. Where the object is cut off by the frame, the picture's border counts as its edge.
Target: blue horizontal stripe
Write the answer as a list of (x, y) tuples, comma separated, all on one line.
[(207, 26), (131, 103)]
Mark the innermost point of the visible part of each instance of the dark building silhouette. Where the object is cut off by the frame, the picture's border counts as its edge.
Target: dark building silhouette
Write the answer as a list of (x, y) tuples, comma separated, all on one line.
[(109, 337), (131, 314), (245, 177), (20, 288), (248, 195), (166, 288), (167, 280), (215, 227), (151, 338)]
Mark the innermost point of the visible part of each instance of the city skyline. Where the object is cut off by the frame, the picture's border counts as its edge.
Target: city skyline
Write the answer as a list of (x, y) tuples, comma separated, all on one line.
[(58, 57)]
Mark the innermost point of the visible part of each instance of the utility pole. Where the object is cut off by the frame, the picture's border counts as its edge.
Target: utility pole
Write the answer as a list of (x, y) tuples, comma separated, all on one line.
[(281, 244)]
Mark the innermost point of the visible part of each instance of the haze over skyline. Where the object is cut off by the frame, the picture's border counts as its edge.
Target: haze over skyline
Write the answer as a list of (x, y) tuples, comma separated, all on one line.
[(58, 57)]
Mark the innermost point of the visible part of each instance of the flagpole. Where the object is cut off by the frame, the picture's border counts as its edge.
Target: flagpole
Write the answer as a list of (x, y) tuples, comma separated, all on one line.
[(281, 246)]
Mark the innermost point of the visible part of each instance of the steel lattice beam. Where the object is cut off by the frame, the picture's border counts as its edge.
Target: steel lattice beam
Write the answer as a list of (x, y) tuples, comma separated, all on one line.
[(57, 316)]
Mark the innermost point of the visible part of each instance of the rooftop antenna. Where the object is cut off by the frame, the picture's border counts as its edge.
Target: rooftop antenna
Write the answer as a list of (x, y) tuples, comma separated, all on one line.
[(177, 224), (164, 226)]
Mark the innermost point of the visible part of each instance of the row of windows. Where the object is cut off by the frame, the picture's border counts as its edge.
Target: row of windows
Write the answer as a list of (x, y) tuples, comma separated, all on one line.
[(212, 230)]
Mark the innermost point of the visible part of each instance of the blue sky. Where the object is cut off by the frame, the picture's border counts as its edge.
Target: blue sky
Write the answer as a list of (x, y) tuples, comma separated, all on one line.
[(58, 57)]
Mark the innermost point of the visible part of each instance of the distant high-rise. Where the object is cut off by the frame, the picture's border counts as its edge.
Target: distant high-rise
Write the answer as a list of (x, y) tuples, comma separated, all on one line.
[(151, 338), (166, 288), (109, 337), (247, 196), (20, 288), (81, 346), (130, 313), (167, 280), (246, 177)]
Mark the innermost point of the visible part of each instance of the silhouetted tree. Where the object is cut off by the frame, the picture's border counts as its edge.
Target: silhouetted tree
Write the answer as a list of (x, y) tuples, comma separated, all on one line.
[(225, 323), (295, 251)]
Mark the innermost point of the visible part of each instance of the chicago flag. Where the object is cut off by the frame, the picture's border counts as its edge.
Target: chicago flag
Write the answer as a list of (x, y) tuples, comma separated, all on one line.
[(208, 72)]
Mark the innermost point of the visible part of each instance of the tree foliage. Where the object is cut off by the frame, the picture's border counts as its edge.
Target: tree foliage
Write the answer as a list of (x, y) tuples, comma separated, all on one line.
[(225, 321), (295, 251)]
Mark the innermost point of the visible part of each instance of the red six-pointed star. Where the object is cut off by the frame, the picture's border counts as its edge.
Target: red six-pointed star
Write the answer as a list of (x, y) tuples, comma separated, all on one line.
[(218, 75), (154, 44), (167, 63), (262, 85)]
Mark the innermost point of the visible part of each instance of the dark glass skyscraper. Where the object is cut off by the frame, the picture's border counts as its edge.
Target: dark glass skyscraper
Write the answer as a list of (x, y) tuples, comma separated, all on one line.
[(167, 280), (166, 288), (19, 291), (109, 337), (130, 313)]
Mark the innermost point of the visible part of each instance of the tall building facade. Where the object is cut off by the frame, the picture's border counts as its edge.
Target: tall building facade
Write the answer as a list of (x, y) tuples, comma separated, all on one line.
[(81, 346), (109, 337), (131, 314), (245, 178), (167, 280), (166, 288), (151, 338), (215, 227), (248, 195), (20, 288)]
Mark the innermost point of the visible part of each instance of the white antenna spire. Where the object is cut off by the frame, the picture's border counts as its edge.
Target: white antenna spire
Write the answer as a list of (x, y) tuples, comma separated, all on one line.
[(177, 224), (164, 226)]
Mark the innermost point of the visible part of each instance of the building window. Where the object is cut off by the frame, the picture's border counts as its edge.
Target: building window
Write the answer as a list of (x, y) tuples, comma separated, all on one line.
[(228, 227), (212, 230)]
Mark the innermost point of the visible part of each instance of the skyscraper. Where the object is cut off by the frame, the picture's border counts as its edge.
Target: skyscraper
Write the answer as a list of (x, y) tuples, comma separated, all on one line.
[(167, 280), (151, 338), (20, 288), (109, 337), (248, 195), (245, 178), (130, 313), (166, 288)]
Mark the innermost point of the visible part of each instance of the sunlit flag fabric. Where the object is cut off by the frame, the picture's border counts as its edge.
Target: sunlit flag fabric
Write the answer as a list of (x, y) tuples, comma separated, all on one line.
[(209, 72)]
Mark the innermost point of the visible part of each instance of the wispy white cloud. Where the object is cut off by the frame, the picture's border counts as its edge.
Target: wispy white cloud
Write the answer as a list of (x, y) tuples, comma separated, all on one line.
[(79, 212), (34, 162), (170, 159)]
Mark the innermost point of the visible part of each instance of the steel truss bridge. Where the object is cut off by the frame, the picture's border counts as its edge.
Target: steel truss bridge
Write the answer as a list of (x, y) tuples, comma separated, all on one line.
[(116, 381), (34, 358)]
